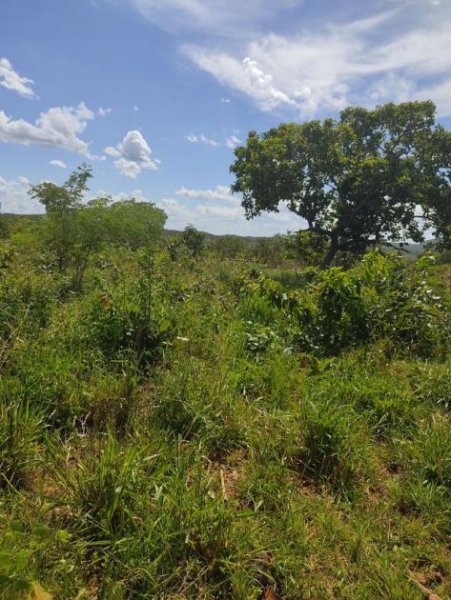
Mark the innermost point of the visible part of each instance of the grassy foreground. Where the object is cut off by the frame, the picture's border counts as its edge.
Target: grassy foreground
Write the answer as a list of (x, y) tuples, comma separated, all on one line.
[(214, 428)]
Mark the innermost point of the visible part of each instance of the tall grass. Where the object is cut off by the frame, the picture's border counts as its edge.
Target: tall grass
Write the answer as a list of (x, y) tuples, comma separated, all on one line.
[(198, 427)]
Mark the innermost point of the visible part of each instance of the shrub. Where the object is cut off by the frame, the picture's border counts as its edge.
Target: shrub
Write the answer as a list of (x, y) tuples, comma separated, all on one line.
[(194, 240), (124, 330), (383, 298), (25, 305)]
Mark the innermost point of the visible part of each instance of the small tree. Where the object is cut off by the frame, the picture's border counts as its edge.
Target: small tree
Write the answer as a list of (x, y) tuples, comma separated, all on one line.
[(194, 240), (373, 176), (76, 230), (134, 224), (60, 204)]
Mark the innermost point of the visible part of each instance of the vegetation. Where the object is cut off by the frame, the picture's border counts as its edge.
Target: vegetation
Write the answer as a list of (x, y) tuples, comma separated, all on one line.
[(374, 175), (191, 418)]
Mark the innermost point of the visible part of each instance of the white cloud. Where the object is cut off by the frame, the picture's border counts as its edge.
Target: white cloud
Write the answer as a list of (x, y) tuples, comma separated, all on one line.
[(133, 155), (58, 163), (14, 197), (320, 66), (216, 211), (227, 219), (59, 127), (401, 53), (137, 193), (233, 142), (234, 18), (201, 139), (221, 192), (103, 112), (225, 100), (11, 80)]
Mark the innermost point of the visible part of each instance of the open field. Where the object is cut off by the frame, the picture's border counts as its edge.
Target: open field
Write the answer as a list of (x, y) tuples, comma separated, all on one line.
[(213, 428)]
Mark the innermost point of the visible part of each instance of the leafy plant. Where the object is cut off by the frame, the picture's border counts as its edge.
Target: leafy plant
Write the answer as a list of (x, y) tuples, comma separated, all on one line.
[(20, 431)]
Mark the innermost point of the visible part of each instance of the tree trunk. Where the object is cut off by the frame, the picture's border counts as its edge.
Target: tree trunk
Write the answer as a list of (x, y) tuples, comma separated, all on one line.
[(332, 251)]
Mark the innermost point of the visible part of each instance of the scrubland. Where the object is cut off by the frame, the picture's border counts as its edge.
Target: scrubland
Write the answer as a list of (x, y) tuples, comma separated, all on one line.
[(194, 426)]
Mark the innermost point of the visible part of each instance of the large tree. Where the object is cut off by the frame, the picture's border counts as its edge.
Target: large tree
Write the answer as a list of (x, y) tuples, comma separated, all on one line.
[(373, 176)]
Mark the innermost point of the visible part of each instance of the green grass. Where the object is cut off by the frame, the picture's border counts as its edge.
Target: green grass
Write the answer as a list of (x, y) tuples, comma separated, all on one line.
[(223, 430)]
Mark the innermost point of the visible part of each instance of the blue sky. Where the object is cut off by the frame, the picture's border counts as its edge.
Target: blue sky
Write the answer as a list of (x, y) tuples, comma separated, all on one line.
[(155, 94)]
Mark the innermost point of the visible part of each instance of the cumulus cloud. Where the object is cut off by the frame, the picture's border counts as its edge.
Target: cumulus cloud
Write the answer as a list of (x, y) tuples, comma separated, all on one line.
[(219, 211), (58, 163), (327, 67), (216, 211), (220, 218), (133, 155), (201, 139), (11, 80), (59, 127), (14, 197), (220, 193)]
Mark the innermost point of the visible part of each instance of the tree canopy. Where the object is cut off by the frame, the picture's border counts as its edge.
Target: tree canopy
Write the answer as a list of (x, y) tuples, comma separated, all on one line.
[(372, 176), (76, 229)]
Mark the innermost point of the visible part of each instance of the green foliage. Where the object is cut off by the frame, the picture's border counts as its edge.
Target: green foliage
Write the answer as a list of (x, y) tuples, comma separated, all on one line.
[(194, 240), (133, 224), (335, 449), (229, 246), (74, 231), (433, 384), (383, 298), (60, 203), (17, 555), (4, 228), (195, 405), (218, 428), (307, 246), (20, 430), (429, 457), (126, 328), (26, 305), (104, 489), (355, 181)]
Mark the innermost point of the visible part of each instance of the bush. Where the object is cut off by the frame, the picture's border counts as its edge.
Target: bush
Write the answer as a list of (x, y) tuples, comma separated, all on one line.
[(26, 304), (194, 240), (383, 298), (125, 330)]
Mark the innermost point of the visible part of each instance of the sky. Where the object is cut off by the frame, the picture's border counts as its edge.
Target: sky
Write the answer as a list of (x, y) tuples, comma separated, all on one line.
[(156, 94)]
